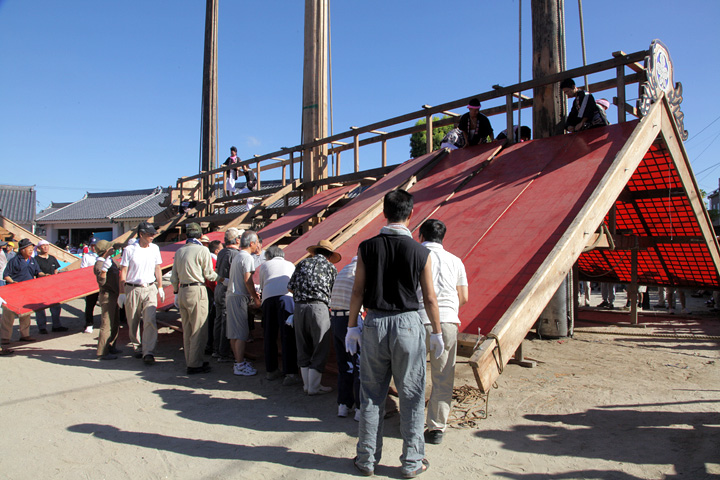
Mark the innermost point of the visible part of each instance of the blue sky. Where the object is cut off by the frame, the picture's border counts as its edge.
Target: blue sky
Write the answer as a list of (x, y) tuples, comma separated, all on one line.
[(106, 95)]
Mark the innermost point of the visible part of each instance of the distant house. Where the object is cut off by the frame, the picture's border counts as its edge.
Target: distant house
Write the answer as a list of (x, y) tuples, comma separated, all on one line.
[(17, 203), (104, 215)]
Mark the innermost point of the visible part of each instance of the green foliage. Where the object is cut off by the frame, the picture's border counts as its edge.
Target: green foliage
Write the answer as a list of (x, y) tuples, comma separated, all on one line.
[(418, 140)]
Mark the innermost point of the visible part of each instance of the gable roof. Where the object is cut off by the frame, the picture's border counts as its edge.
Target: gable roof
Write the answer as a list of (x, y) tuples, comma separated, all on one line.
[(18, 203), (129, 204)]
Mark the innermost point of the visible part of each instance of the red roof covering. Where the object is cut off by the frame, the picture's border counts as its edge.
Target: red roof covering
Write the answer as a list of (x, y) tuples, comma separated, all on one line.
[(655, 204)]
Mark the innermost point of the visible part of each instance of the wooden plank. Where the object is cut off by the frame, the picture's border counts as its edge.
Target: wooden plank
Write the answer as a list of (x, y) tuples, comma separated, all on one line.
[(593, 172), (300, 214), (429, 193), (360, 205)]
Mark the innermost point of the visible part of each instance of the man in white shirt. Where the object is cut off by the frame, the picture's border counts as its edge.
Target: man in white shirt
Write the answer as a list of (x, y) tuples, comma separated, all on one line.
[(141, 282), (451, 288)]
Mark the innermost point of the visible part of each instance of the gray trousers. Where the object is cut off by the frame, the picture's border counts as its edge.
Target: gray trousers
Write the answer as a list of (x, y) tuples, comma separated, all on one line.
[(312, 335), (393, 345), (193, 304), (141, 303), (221, 344)]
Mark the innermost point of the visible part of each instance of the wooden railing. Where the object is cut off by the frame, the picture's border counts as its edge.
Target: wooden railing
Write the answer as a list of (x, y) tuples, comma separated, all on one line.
[(380, 132)]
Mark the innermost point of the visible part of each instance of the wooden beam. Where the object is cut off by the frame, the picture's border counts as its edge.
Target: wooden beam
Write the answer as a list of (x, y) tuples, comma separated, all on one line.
[(512, 327), (20, 233), (264, 203)]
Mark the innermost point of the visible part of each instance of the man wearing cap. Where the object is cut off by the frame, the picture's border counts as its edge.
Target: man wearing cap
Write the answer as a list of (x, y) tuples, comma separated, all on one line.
[(191, 268), (20, 268), (390, 267), (311, 285), (48, 265), (141, 284), (107, 275), (475, 126), (89, 259)]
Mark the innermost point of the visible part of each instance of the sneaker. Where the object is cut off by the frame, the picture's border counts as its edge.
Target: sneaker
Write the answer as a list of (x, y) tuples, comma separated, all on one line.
[(273, 375), (215, 355), (244, 369), (60, 329), (148, 359), (43, 331), (343, 411), (89, 329), (291, 379), (433, 436), (604, 304), (138, 354)]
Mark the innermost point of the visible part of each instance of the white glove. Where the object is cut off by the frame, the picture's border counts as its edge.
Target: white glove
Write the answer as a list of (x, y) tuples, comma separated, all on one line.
[(352, 340), (437, 345), (107, 264), (161, 294), (121, 300), (2, 301), (175, 302), (289, 322)]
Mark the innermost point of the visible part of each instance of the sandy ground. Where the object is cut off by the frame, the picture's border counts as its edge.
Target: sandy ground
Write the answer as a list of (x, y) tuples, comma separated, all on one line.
[(596, 406)]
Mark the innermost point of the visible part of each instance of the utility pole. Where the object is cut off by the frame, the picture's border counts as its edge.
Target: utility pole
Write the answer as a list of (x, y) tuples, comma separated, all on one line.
[(208, 156), (314, 113), (549, 112)]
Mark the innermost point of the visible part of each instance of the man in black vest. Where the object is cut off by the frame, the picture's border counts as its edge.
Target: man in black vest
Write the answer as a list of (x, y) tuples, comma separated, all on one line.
[(389, 268)]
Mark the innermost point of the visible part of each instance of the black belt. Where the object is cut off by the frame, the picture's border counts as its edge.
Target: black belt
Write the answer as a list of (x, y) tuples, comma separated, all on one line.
[(183, 285), (137, 285)]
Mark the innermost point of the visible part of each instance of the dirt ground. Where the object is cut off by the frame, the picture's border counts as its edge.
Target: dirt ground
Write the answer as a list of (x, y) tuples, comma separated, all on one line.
[(603, 405)]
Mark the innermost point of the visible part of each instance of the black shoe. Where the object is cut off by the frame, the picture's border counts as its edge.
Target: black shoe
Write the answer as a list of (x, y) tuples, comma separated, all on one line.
[(108, 356), (148, 359), (59, 329), (603, 304), (433, 436), (43, 331), (204, 369), (114, 350), (138, 354)]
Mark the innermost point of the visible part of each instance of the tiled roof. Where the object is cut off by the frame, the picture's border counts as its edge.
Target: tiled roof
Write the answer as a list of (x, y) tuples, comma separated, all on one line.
[(109, 205), (18, 203)]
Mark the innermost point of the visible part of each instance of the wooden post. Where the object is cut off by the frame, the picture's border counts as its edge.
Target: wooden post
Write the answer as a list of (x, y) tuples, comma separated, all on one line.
[(257, 174), (208, 157), (337, 163), (292, 166), (548, 32), (428, 134), (621, 93), (384, 153), (314, 113), (633, 284), (356, 141), (509, 118)]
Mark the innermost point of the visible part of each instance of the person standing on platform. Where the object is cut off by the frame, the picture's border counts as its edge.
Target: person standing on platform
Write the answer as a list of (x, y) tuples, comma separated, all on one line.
[(20, 268), (107, 275), (339, 314), (88, 260), (191, 268), (389, 269), (475, 126), (311, 285), (451, 288), (141, 284), (221, 347), (250, 185), (49, 265), (277, 305), (240, 295), (233, 173)]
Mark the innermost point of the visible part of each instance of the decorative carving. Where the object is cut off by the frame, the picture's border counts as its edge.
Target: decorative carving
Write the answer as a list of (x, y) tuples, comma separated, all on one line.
[(659, 68)]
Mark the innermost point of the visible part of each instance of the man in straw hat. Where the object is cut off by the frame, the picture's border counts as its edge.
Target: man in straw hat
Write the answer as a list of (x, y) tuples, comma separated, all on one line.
[(390, 267), (20, 268), (107, 275), (311, 285), (191, 267)]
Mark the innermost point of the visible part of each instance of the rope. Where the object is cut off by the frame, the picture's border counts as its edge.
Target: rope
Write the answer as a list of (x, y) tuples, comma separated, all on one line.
[(498, 357), (582, 41), (652, 335), (330, 101), (519, 71), (469, 407)]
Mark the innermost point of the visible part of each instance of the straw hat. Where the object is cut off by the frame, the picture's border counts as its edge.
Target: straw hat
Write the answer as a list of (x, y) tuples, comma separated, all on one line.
[(325, 245)]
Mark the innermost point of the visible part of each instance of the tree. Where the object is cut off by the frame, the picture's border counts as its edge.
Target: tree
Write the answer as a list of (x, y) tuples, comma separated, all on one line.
[(418, 140)]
